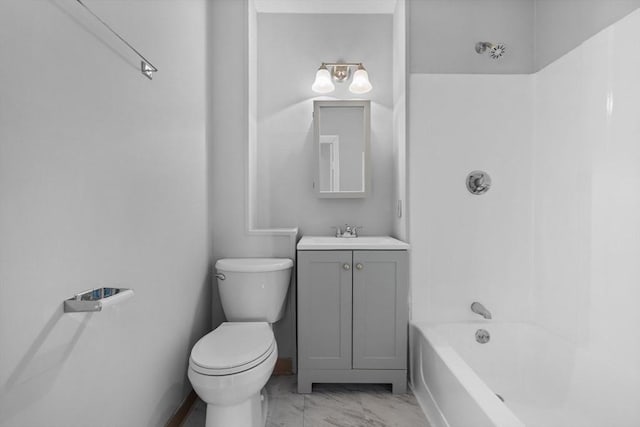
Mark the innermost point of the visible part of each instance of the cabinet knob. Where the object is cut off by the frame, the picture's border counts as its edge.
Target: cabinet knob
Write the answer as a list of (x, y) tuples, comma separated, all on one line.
[(346, 267), (359, 266)]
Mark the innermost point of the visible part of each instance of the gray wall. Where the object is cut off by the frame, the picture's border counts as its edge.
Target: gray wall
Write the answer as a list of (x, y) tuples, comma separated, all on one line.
[(285, 105), (228, 133), (400, 41), (290, 50), (443, 33), (284, 110), (228, 164), (103, 181)]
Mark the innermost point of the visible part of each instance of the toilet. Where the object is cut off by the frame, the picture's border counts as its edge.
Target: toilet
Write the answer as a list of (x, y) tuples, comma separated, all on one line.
[(229, 366)]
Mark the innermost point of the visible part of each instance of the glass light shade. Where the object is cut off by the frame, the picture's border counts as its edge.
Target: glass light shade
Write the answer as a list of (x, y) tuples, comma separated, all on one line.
[(323, 83), (360, 83)]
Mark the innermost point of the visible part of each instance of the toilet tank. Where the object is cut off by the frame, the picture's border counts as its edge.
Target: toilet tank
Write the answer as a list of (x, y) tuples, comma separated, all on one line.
[(253, 289)]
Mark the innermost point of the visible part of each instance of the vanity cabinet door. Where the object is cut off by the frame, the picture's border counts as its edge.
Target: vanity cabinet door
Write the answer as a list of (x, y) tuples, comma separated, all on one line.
[(324, 309), (380, 315)]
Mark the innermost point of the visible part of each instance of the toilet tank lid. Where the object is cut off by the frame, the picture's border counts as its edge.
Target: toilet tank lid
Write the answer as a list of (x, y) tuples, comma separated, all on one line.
[(253, 265)]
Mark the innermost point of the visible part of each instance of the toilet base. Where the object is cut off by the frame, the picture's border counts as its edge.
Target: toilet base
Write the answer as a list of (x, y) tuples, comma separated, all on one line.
[(249, 413), (231, 399)]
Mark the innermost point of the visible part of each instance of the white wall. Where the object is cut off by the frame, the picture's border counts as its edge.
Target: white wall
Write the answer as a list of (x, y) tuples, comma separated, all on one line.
[(465, 247), (102, 182), (587, 208), (285, 152)]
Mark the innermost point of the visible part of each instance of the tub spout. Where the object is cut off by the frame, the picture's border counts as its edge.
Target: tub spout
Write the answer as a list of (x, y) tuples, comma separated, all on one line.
[(480, 309)]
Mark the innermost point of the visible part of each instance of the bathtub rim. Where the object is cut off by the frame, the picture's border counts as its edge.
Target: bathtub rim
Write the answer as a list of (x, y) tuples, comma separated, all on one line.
[(495, 410)]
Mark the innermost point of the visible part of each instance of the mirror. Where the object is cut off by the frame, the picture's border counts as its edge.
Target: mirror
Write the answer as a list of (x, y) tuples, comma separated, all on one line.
[(341, 141)]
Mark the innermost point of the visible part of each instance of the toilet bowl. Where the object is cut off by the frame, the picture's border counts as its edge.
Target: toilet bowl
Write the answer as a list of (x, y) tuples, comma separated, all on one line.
[(230, 365)]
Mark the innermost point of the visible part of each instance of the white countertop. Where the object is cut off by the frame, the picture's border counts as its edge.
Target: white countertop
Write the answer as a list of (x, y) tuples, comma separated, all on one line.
[(319, 243)]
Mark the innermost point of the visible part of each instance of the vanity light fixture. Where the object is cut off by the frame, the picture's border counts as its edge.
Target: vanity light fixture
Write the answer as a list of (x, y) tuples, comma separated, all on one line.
[(340, 72), (323, 83), (360, 83)]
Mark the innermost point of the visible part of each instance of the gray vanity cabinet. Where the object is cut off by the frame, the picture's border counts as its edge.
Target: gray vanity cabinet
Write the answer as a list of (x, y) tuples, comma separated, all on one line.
[(324, 309), (352, 317), (380, 309)]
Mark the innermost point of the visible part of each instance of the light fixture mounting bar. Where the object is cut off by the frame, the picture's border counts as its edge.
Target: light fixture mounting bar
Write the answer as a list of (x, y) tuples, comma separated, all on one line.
[(341, 71), (146, 67), (347, 64)]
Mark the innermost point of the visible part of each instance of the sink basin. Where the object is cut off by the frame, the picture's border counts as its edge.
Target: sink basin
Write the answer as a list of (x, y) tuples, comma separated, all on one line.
[(319, 243)]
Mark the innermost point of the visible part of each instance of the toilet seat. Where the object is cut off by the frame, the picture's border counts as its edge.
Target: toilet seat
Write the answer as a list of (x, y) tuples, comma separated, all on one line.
[(232, 347)]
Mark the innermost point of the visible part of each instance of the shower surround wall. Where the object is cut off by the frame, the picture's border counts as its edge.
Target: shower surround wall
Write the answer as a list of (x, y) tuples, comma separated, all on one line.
[(463, 116), (465, 247), (556, 239), (102, 183), (587, 233), (562, 25)]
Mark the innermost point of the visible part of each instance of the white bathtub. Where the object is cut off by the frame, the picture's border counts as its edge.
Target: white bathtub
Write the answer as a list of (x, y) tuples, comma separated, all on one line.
[(543, 379)]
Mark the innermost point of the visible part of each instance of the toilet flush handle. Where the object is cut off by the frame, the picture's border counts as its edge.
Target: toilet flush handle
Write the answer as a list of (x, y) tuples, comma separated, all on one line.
[(220, 276)]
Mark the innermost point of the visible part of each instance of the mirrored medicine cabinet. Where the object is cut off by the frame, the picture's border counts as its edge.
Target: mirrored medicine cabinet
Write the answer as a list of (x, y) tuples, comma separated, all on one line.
[(341, 143)]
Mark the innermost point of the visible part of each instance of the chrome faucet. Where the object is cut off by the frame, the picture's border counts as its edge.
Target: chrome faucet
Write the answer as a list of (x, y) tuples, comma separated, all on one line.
[(348, 231), (480, 309)]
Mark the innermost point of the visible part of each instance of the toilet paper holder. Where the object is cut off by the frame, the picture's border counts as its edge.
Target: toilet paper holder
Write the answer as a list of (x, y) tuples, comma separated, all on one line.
[(96, 299)]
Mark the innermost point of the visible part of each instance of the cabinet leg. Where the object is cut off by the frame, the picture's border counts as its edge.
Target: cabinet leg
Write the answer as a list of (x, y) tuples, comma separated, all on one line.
[(304, 387), (399, 387)]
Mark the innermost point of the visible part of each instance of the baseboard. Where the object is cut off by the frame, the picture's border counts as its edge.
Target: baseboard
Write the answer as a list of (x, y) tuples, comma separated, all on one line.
[(284, 366), (181, 413)]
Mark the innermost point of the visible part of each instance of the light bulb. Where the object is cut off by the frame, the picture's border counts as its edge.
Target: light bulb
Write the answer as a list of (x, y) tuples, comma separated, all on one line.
[(360, 83), (323, 83)]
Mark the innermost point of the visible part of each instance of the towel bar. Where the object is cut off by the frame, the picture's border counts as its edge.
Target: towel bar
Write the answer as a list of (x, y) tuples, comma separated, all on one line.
[(96, 299)]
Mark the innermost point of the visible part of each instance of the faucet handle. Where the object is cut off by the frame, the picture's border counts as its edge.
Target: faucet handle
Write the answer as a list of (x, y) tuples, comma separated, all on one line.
[(338, 231), (355, 230)]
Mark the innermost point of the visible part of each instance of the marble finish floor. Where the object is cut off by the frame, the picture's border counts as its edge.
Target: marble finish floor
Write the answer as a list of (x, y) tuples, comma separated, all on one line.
[(331, 405)]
